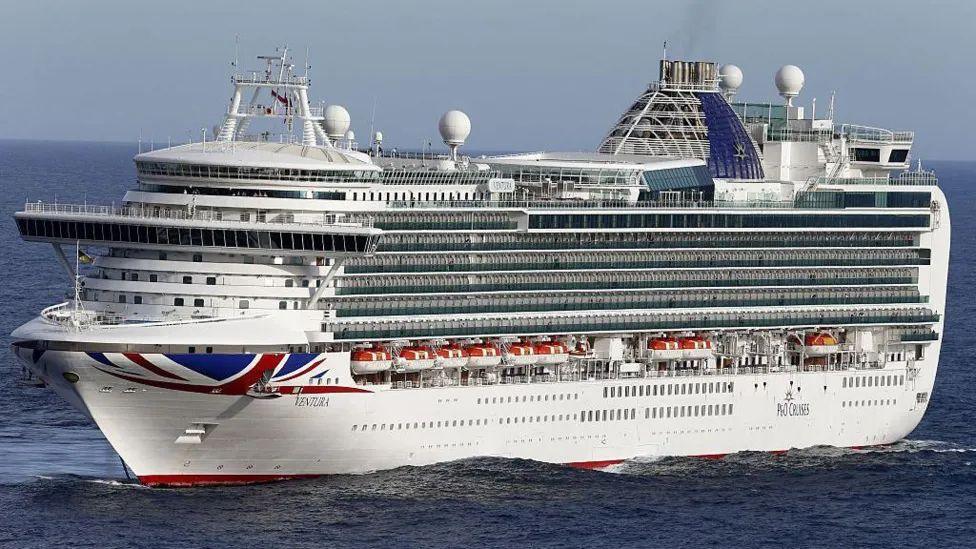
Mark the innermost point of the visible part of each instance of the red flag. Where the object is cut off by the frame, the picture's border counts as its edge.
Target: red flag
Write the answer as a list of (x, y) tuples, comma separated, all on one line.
[(281, 98)]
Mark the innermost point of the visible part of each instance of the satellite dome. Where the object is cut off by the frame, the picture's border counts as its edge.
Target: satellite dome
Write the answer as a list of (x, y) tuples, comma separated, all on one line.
[(336, 121), (455, 126), (730, 77), (378, 137), (350, 135), (789, 82)]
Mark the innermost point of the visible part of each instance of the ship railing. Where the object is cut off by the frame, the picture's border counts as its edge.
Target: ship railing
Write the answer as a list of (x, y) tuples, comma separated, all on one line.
[(66, 314), (155, 212), (261, 77), (707, 85), (905, 178), (415, 176), (867, 134), (273, 110), (810, 136), (594, 204), (575, 371)]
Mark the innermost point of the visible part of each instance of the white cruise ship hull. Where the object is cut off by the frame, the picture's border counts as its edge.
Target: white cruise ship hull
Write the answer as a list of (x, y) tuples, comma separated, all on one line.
[(173, 436)]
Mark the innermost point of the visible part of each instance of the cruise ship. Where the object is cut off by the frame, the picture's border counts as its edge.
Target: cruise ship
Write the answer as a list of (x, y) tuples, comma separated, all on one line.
[(715, 277)]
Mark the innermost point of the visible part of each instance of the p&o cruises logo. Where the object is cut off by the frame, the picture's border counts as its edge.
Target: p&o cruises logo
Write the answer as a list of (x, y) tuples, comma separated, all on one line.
[(790, 408)]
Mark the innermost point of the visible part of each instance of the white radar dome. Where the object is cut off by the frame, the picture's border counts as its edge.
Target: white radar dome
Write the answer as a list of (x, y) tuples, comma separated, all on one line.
[(789, 82), (455, 126), (336, 121), (378, 137), (730, 77), (350, 135)]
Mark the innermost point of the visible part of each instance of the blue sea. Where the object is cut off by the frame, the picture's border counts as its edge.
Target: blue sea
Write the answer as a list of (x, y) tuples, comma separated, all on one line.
[(62, 485)]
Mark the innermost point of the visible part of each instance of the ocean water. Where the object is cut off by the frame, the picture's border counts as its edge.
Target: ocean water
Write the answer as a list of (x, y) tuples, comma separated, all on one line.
[(62, 485)]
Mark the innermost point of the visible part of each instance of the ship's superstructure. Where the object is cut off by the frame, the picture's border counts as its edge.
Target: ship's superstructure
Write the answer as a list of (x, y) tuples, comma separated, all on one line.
[(717, 277)]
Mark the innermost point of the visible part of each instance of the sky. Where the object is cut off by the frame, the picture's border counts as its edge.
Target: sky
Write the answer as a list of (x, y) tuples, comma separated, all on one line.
[(531, 74)]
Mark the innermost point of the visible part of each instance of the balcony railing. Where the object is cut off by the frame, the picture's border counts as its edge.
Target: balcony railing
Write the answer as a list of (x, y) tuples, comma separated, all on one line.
[(144, 212)]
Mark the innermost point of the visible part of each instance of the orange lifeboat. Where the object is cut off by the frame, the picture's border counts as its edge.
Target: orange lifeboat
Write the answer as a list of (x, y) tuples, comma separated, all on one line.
[(820, 344), (664, 348), (521, 353), (483, 355), (415, 358), (370, 361), (551, 352), (695, 347), (452, 356)]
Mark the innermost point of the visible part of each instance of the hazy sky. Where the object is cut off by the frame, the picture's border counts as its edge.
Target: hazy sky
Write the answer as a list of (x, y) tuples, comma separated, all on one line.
[(531, 74)]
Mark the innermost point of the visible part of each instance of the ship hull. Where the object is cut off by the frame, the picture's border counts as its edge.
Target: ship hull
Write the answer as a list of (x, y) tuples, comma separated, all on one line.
[(172, 436)]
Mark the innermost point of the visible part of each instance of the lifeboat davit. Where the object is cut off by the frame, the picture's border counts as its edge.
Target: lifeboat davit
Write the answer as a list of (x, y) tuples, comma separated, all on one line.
[(483, 355), (521, 353), (580, 351), (695, 347), (370, 361), (551, 352), (820, 344), (415, 358), (664, 348), (452, 356)]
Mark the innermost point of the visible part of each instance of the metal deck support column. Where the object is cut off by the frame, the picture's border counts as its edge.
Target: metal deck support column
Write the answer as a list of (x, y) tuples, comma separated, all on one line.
[(324, 283)]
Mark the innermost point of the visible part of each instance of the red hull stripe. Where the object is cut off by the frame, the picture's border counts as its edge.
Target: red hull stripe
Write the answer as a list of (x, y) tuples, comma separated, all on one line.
[(300, 373), (313, 389), (214, 480), (594, 464), (237, 387), (141, 361)]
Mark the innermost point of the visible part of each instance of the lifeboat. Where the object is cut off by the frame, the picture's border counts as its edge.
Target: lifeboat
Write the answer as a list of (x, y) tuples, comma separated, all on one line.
[(483, 355), (370, 361), (820, 344), (415, 358), (695, 347), (551, 352), (521, 353), (452, 356), (664, 348)]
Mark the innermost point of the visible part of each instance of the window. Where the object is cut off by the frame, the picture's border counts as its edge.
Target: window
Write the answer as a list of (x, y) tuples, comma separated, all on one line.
[(198, 302), (178, 301), (134, 277), (153, 278), (211, 280), (244, 304), (197, 258), (121, 298), (289, 283), (866, 154), (282, 305), (187, 280), (137, 300), (898, 156)]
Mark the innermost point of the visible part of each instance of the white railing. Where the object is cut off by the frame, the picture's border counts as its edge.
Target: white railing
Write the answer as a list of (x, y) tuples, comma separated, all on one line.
[(260, 77), (578, 372), (146, 212), (867, 134), (592, 204)]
